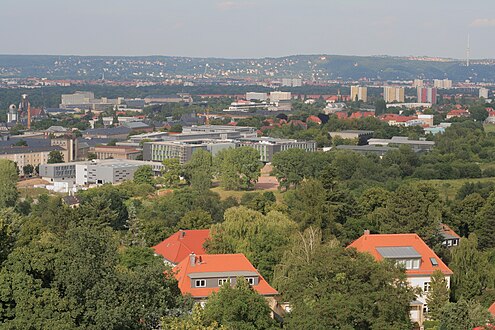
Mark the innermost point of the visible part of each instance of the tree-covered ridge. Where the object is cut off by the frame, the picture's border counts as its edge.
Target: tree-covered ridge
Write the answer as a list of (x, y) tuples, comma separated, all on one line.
[(323, 66)]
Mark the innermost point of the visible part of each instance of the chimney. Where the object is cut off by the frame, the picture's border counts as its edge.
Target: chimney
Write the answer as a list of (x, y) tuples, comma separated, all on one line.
[(182, 234), (192, 259), (366, 232)]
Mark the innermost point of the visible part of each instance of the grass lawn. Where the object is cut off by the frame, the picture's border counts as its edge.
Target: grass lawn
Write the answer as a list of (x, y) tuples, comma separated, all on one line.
[(489, 128), (224, 194), (448, 188)]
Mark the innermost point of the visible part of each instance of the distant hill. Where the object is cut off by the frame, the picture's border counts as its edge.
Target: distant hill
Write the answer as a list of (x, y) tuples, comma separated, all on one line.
[(327, 67)]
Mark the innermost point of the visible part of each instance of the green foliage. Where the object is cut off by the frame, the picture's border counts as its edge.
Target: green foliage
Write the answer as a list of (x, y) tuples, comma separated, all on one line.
[(160, 217), (486, 224), (171, 172), (261, 202), (464, 315), (438, 295), (8, 187), (28, 169), (195, 219), (412, 209), (144, 174), (343, 289), (198, 171), (262, 238), (471, 270), (55, 157), (238, 307), (238, 168), (195, 321), (289, 167), (75, 280), (104, 206)]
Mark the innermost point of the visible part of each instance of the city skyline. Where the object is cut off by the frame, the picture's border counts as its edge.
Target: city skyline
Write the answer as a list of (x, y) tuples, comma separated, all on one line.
[(247, 28)]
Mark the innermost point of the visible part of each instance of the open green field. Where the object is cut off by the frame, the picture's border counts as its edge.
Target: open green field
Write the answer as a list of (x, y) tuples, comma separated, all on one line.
[(224, 194), (489, 128), (449, 188)]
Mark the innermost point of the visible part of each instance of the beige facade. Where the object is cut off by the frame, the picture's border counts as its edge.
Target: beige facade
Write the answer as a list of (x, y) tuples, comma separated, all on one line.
[(359, 92), (393, 94), (117, 152), (23, 156)]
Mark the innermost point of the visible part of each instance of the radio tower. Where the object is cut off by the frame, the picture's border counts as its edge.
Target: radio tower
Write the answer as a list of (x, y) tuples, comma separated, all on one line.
[(467, 52)]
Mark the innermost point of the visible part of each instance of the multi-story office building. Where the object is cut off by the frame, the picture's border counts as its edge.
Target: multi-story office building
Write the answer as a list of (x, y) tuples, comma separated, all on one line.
[(360, 93), (117, 152), (427, 95), (442, 83), (267, 146), (182, 150), (23, 156), (58, 172), (292, 82), (418, 83), (393, 94), (224, 131), (280, 96), (254, 96), (95, 171)]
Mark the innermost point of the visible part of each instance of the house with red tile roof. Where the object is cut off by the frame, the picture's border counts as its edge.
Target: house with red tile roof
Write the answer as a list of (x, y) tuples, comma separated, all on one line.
[(341, 115), (458, 113), (181, 244), (449, 237), (313, 119), (199, 275), (362, 114), (411, 252)]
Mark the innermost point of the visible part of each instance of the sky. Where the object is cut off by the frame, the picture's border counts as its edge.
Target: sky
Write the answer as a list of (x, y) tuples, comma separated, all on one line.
[(248, 28)]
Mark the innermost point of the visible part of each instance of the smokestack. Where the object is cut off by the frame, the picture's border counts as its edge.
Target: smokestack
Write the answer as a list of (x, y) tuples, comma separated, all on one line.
[(367, 232), (29, 116), (192, 259)]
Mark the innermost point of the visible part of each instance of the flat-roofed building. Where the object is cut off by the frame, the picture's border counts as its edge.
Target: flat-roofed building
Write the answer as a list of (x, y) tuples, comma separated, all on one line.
[(117, 152), (267, 146), (417, 145), (182, 150), (360, 136)]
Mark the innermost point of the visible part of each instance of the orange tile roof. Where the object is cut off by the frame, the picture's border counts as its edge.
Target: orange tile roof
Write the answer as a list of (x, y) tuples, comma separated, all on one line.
[(369, 243), (447, 230), (181, 244), (491, 309), (217, 263)]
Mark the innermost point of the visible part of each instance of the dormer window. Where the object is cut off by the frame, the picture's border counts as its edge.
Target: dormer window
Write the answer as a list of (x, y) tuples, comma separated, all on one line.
[(405, 256), (251, 280), (200, 283), (222, 281)]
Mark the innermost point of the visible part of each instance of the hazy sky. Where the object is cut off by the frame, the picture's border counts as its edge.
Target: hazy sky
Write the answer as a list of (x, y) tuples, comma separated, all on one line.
[(248, 28)]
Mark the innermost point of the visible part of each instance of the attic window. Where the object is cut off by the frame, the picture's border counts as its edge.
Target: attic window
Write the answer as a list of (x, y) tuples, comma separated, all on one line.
[(200, 283), (434, 262)]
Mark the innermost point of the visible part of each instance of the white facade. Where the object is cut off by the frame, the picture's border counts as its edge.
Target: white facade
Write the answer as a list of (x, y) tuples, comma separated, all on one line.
[(483, 93), (280, 96), (442, 83), (254, 96)]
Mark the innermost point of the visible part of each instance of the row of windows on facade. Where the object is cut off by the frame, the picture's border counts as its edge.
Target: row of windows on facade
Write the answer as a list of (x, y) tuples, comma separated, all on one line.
[(222, 281)]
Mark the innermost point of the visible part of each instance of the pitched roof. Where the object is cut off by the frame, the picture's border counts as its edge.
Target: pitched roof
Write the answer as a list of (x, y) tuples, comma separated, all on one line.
[(217, 265), (181, 244), (372, 243), (491, 309), (447, 232)]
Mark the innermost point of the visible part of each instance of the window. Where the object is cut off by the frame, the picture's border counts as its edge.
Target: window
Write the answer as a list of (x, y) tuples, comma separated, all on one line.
[(425, 309), (222, 281), (454, 242), (200, 283), (426, 286), (250, 280)]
